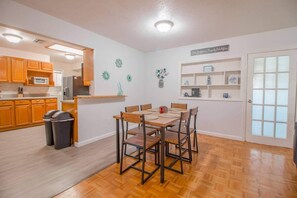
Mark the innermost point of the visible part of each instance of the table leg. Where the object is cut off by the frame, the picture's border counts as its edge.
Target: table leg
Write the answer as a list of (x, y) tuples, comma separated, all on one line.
[(162, 150), (118, 140)]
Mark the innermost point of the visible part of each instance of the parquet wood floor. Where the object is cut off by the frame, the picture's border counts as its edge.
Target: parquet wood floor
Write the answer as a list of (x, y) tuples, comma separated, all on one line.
[(222, 168)]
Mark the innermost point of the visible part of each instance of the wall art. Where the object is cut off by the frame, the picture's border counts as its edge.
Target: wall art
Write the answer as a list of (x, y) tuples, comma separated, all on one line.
[(129, 78), (105, 75), (119, 63), (161, 74), (120, 90)]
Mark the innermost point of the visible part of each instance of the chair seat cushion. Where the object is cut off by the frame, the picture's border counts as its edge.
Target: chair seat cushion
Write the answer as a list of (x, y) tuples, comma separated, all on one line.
[(139, 130), (137, 141), (172, 137)]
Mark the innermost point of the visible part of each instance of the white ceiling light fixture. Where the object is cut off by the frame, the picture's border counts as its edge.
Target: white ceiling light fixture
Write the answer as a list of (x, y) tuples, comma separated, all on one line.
[(63, 48), (13, 38), (69, 56), (164, 25)]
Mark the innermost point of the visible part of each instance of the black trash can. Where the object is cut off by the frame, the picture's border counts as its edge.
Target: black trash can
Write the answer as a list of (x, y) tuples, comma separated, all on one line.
[(48, 127), (62, 123)]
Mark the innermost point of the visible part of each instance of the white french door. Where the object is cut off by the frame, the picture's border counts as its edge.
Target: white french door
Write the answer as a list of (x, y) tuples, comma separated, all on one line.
[(271, 96)]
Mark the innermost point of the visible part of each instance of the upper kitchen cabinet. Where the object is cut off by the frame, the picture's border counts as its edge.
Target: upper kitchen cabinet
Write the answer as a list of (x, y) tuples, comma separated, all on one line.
[(18, 70), (33, 65), (46, 66), (5, 69), (88, 67)]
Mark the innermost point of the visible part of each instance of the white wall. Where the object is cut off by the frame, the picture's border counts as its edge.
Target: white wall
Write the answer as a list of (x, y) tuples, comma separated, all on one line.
[(220, 118), (106, 52), (67, 68)]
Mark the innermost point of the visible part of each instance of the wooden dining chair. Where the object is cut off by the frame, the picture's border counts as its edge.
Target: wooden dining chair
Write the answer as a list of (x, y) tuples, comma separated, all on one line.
[(194, 112), (145, 107), (142, 142), (179, 139), (136, 130), (179, 105)]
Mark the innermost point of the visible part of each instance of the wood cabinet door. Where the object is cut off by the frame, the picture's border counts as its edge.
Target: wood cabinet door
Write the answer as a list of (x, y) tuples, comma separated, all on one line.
[(51, 106), (7, 116), (18, 70), (33, 65), (88, 67), (5, 75), (38, 111), (22, 115), (47, 66)]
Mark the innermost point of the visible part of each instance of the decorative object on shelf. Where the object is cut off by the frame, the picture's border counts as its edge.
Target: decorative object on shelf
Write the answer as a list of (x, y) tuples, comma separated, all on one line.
[(208, 68), (208, 80), (186, 83), (105, 75), (129, 78), (119, 63), (209, 50), (186, 94), (226, 95), (161, 73), (120, 91), (196, 92), (233, 80)]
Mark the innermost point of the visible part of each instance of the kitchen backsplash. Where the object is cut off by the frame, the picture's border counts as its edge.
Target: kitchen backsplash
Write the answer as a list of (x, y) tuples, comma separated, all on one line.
[(11, 89)]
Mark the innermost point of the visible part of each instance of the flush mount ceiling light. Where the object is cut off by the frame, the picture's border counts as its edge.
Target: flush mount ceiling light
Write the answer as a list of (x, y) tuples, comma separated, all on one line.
[(69, 56), (164, 25), (63, 48), (12, 38)]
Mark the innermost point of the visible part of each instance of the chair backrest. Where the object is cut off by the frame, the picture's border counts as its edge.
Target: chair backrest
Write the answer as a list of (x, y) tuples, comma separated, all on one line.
[(133, 108), (185, 119), (194, 112), (179, 105), (145, 107), (133, 118)]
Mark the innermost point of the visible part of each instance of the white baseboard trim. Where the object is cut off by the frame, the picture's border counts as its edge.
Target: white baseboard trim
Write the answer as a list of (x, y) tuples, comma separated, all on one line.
[(94, 139), (232, 137)]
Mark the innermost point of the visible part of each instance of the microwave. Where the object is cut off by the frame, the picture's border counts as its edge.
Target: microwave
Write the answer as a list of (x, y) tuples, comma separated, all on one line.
[(40, 80)]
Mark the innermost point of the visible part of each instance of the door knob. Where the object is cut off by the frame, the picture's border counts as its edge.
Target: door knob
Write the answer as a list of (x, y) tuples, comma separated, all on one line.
[(250, 101)]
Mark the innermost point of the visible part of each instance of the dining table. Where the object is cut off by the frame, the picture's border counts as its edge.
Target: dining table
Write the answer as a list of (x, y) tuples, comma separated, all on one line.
[(154, 118)]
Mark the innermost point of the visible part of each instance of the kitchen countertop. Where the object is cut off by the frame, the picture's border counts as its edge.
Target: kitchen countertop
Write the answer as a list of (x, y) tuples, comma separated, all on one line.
[(26, 98), (68, 101)]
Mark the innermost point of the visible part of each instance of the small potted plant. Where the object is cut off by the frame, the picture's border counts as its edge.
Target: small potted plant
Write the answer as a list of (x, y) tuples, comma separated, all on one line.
[(161, 73)]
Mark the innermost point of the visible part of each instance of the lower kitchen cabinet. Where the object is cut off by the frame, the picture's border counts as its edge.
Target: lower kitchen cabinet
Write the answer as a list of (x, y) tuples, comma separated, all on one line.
[(51, 104), (6, 114), (38, 111), (22, 112)]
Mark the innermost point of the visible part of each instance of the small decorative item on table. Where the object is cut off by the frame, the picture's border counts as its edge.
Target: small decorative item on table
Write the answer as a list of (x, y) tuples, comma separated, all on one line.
[(208, 68), (233, 80), (163, 109)]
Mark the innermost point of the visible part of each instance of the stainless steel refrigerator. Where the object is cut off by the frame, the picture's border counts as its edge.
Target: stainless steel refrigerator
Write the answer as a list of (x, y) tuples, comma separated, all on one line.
[(73, 86)]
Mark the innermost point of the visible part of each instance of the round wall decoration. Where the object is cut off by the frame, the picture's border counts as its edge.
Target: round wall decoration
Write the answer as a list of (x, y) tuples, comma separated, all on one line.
[(129, 78), (119, 63), (105, 75)]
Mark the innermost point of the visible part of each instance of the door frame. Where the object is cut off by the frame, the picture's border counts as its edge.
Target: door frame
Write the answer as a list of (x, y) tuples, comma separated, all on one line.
[(293, 103)]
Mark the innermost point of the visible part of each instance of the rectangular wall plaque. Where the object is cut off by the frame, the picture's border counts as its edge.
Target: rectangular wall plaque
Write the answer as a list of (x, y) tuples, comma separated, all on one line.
[(209, 50)]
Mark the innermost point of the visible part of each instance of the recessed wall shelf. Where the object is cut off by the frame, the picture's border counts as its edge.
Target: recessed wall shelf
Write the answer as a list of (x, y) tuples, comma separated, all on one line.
[(225, 78)]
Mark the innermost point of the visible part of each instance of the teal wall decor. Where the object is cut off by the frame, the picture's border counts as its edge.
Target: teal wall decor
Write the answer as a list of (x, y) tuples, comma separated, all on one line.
[(120, 91), (105, 75), (119, 63), (129, 78)]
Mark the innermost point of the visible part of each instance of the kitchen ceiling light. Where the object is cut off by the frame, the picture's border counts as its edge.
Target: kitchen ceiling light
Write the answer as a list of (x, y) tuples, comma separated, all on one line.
[(12, 38), (164, 25), (66, 49), (69, 56)]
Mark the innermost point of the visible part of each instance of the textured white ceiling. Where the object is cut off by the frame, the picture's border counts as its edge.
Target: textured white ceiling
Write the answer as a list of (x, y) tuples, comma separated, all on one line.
[(132, 21)]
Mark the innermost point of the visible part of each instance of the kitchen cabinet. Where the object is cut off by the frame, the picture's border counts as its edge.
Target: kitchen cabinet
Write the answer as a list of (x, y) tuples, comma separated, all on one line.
[(51, 104), (33, 65), (6, 114), (38, 110), (22, 112), (18, 70), (5, 69), (46, 66), (88, 67)]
